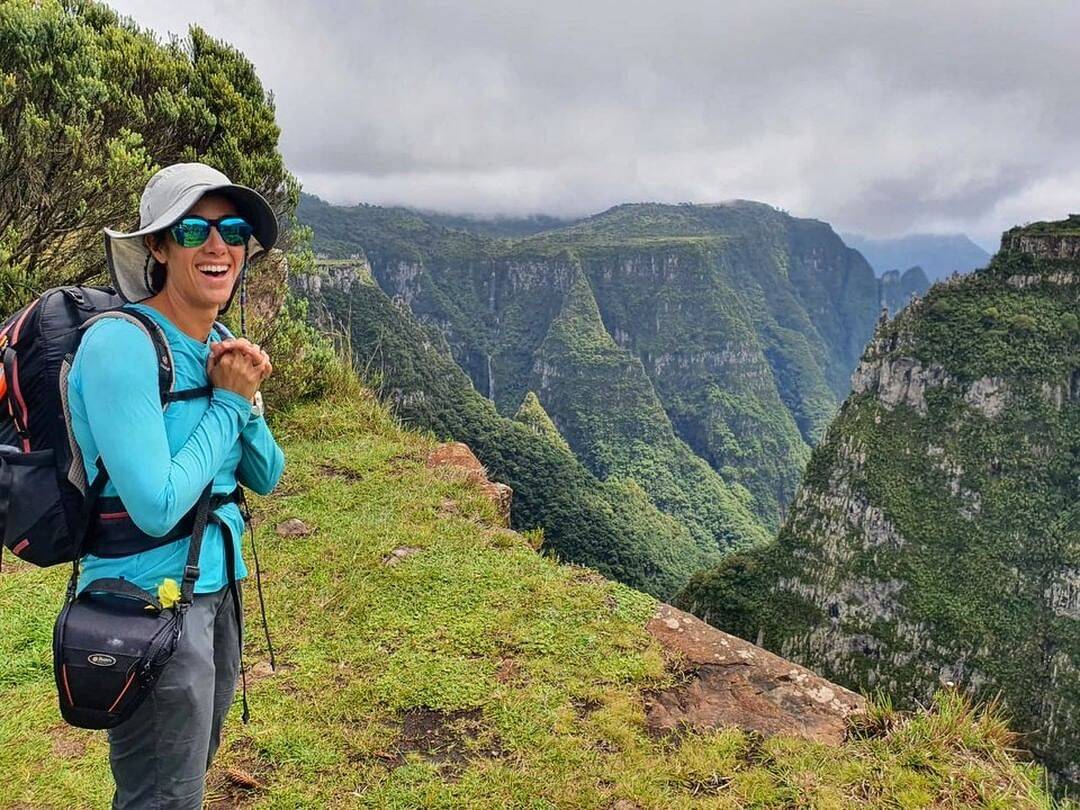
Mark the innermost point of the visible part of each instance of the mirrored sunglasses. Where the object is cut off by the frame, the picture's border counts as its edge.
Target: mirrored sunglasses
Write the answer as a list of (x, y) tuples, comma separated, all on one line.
[(192, 231)]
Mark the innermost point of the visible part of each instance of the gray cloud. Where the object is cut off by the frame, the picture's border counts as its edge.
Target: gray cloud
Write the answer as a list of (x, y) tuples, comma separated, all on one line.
[(882, 117)]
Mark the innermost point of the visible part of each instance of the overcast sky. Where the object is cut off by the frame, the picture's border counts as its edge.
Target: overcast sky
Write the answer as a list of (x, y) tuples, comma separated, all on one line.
[(885, 118)]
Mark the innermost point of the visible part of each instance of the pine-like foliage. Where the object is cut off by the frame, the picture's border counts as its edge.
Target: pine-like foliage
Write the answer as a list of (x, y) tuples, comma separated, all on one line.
[(90, 107)]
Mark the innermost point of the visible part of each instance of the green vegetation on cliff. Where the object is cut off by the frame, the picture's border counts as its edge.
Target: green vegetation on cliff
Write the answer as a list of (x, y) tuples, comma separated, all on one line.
[(937, 534), (532, 415), (741, 323), (609, 413), (468, 672)]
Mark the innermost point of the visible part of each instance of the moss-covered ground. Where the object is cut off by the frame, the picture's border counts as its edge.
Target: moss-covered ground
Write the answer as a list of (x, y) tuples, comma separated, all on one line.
[(472, 672)]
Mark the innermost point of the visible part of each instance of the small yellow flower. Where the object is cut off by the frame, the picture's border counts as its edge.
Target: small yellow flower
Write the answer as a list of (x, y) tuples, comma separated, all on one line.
[(168, 593)]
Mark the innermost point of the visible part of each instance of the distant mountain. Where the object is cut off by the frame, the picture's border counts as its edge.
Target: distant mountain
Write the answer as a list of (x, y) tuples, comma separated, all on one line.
[(939, 255), (897, 289), (656, 337), (936, 535)]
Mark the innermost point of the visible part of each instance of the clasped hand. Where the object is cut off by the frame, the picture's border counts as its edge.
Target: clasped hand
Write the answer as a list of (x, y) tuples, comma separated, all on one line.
[(238, 365)]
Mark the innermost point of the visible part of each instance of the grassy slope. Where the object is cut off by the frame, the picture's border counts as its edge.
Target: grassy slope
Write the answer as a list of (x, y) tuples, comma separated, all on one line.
[(552, 658)]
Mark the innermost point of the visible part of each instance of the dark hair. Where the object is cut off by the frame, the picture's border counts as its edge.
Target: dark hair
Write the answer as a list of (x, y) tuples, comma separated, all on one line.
[(155, 270)]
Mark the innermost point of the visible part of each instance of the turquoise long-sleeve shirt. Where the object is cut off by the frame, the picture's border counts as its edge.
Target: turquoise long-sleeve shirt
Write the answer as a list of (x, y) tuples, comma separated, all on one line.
[(158, 460)]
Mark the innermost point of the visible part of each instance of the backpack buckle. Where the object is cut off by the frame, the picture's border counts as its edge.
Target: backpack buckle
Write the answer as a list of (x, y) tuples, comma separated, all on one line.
[(191, 572)]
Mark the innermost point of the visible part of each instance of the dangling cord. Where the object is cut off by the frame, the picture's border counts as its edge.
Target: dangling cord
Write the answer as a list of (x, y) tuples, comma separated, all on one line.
[(234, 591), (243, 296), (258, 580)]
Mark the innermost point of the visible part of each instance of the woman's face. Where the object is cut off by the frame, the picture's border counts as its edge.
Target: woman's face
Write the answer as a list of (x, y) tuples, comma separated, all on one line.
[(194, 274)]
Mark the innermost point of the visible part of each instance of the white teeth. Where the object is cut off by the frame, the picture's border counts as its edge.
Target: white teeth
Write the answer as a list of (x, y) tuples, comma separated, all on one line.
[(214, 269)]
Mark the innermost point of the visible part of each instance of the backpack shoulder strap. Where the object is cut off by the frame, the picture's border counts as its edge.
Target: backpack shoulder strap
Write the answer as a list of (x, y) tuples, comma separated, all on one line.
[(157, 338)]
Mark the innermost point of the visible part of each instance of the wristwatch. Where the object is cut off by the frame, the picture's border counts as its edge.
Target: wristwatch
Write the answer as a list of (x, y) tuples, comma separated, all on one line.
[(257, 404)]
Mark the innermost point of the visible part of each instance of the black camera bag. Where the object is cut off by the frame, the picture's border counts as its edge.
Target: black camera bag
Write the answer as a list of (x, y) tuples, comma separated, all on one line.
[(112, 640)]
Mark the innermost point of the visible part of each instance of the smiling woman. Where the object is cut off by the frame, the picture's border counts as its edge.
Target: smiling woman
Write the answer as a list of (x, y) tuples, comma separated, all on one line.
[(174, 477), (206, 251)]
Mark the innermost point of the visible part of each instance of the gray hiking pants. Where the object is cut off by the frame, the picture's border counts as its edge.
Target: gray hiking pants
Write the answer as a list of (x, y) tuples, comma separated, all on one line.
[(160, 755)]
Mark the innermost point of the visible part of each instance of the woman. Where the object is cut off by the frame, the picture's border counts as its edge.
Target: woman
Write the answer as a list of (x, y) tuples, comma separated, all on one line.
[(181, 268)]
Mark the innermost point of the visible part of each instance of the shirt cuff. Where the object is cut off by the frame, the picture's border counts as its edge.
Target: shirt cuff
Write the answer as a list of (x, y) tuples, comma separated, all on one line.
[(233, 400)]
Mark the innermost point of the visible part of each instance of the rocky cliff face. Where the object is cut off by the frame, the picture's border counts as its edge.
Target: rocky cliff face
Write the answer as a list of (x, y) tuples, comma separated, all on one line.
[(742, 323), (936, 536)]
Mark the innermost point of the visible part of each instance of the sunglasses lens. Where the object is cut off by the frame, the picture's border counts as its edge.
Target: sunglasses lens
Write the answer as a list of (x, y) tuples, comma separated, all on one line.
[(234, 230), (191, 231)]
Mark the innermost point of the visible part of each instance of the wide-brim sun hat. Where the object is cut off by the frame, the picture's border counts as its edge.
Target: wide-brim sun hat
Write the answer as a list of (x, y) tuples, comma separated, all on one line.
[(168, 195)]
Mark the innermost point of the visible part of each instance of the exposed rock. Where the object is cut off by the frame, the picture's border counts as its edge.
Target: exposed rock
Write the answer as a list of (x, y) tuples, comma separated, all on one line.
[(1066, 391), (734, 683), (1044, 246), (1022, 280), (902, 380), (1053, 394), (338, 276), (293, 527), (987, 395), (1063, 595), (458, 456)]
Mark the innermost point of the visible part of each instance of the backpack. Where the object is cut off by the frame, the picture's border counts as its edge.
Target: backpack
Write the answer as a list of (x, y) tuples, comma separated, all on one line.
[(46, 505)]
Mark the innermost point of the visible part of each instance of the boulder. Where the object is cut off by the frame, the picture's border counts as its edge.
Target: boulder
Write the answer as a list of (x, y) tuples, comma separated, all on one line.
[(734, 683), (293, 527)]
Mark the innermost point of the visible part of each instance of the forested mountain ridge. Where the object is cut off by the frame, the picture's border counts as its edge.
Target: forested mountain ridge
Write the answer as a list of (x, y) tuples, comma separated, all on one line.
[(936, 536), (732, 328)]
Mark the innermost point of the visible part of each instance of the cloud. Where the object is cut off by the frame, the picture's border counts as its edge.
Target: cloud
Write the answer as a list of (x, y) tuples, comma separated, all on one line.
[(879, 117)]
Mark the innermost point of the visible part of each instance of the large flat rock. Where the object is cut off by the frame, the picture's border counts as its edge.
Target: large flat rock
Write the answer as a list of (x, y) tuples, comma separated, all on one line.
[(734, 683)]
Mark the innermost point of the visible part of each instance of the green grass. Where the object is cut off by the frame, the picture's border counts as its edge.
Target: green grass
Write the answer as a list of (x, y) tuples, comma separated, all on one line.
[(540, 668)]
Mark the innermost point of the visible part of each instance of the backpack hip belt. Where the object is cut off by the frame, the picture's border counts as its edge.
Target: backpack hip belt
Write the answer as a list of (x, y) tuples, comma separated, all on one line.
[(112, 532)]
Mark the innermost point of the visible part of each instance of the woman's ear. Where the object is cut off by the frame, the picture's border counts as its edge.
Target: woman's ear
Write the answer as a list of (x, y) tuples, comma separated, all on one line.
[(156, 246)]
